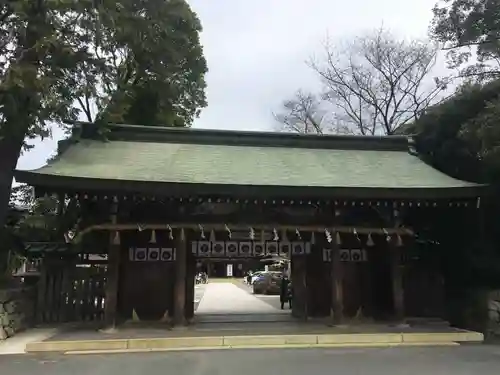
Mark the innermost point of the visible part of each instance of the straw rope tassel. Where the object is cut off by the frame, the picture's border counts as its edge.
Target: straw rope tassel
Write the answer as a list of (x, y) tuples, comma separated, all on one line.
[(135, 317), (399, 241), (338, 240), (369, 241), (116, 238)]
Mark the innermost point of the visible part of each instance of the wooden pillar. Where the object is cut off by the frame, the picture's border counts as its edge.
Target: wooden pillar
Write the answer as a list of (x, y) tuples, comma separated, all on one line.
[(112, 277), (180, 278), (299, 303), (191, 271), (397, 281), (337, 298), (41, 292)]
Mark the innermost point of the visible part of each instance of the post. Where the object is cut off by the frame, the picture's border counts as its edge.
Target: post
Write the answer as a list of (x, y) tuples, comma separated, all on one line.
[(337, 303), (112, 277), (397, 282), (180, 279)]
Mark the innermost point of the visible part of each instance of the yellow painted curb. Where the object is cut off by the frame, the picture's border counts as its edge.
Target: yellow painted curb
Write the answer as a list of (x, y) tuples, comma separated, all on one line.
[(313, 340), (361, 338), (174, 342), (63, 346), (461, 336)]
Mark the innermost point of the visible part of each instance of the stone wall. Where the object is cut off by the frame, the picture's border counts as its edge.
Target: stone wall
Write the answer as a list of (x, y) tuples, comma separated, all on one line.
[(494, 312), (17, 309)]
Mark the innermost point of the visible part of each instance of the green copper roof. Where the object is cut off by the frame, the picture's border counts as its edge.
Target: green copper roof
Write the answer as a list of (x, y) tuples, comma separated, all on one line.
[(245, 158)]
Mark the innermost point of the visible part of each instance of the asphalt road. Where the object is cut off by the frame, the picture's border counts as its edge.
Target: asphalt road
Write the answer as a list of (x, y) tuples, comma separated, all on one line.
[(460, 360)]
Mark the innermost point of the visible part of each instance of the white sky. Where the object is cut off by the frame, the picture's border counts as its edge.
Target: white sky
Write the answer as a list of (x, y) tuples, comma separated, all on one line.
[(256, 52)]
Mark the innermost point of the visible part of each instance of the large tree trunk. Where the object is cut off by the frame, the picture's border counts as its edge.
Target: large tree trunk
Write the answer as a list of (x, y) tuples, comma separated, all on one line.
[(9, 153), (18, 117)]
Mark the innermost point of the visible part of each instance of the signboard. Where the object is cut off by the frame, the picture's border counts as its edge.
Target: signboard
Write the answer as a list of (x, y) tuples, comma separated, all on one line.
[(229, 270)]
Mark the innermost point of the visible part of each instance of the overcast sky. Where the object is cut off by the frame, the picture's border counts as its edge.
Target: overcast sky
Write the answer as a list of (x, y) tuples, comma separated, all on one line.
[(256, 52)]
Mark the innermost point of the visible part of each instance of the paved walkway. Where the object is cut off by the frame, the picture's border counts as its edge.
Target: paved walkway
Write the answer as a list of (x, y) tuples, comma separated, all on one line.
[(16, 344), (227, 298)]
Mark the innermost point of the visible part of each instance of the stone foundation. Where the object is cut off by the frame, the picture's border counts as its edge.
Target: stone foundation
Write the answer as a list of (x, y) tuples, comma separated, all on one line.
[(494, 313), (17, 307)]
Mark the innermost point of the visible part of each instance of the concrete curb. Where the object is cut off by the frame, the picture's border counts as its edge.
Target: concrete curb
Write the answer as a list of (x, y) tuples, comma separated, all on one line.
[(305, 340)]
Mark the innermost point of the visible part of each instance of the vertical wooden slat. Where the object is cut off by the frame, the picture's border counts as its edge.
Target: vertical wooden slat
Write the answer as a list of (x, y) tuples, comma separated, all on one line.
[(180, 279), (78, 297), (101, 291), (397, 282), (41, 293), (86, 310), (68, 292), (49, 312), (58, 285), (112, 272), (191, 270), (93, 293), (112, 282), (299, 287), (71, 304), (337, 297), (64, 293)]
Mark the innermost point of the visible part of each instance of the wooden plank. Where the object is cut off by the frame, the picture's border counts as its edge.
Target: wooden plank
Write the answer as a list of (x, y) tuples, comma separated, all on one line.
[(58, 294), (41, 293), (112, 283), (49, 312), (190, 284), (397, 282), (299, 303), (79, 285), (180, 279), (337, 297), (102, 291)]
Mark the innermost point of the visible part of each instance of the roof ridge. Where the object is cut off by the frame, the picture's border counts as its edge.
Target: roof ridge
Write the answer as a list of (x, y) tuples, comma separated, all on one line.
[(162, 134)]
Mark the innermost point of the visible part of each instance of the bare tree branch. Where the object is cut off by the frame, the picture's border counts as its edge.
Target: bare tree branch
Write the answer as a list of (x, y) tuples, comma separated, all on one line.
[(377, 83), (308, 114)]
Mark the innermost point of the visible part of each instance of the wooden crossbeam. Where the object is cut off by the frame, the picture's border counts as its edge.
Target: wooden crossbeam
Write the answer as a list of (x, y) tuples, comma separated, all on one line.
[(235, 227)]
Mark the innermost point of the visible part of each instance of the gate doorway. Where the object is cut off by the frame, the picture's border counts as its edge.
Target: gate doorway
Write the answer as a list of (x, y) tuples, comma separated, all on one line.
[(229, 296)]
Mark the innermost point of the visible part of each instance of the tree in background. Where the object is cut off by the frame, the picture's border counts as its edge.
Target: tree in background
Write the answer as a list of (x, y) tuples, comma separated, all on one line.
[(304, 114), (110, 58), (372, 85), (154, 69), (469, 30), (460, 137)]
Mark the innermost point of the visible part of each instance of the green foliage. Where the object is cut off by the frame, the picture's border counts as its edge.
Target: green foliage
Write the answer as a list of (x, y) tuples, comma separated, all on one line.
[(452, 136), (134, 60), (459, 23), (460, 137), (155, 65), (39, 54)]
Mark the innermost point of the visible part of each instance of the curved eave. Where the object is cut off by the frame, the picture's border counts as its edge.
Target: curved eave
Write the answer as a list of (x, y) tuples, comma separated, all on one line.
[(65, 183)]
